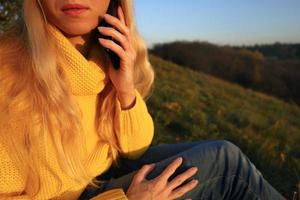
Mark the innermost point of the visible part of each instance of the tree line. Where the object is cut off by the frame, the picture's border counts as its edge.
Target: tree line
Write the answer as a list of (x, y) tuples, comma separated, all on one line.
[(276, 73)]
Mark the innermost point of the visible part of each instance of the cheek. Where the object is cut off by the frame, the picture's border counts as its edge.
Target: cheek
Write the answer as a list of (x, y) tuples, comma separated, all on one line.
[(100, 7)]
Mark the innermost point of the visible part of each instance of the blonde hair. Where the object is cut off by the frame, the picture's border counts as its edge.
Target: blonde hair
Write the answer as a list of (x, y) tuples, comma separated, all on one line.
[(34, 89)]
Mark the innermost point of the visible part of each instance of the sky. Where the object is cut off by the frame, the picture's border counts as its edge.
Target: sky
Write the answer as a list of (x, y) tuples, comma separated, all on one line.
[(230, 22)]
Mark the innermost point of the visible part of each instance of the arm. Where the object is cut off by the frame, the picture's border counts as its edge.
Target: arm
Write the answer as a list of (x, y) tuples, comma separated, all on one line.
[(22, 197), (113, 194), (135, 127), (11, 180)]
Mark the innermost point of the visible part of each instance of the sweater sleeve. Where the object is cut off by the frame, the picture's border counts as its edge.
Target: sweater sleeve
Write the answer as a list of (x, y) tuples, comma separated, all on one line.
[(135, 128), (113, 194), (22, 197), (11, 180)]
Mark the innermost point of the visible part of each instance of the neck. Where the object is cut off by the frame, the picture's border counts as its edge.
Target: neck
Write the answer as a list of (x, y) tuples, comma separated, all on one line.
[(81, 43)]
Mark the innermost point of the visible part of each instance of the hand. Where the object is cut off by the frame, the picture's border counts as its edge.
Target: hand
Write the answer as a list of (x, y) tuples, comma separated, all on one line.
[(159, 188), (123, 77)]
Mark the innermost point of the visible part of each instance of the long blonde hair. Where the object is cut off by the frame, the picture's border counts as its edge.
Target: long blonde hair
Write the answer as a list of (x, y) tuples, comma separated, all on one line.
[(34, 93)]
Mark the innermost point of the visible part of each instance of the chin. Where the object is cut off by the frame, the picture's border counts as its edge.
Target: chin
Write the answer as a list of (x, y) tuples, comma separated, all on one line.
[(74, 29)]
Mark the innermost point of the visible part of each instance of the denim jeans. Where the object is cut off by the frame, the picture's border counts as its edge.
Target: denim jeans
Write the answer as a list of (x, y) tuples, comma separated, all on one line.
[(224, 171)]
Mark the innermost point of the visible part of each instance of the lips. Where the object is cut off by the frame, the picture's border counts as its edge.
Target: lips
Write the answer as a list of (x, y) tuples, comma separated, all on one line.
[(74, 10), (73, 7)]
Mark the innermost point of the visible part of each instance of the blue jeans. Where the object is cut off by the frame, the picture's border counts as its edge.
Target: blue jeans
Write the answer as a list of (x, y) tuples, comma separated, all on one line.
[(224, 171)]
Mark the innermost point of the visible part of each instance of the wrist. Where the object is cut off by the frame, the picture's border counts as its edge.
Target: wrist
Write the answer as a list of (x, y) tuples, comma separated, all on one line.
[(126, 99)]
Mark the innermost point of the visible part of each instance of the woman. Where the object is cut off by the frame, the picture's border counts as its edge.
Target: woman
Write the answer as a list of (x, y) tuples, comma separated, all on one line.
[(74, 127)]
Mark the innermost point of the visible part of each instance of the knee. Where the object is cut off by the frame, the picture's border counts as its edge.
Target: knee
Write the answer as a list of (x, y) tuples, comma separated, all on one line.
[(231, 157), (228, 146), (227, 151)]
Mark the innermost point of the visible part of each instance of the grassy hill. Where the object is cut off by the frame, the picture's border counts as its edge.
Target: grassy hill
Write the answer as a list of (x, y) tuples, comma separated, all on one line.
[(272, 69), (188, 105)]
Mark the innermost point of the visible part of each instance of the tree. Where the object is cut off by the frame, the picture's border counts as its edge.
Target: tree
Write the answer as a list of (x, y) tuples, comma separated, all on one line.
[(10, 11)]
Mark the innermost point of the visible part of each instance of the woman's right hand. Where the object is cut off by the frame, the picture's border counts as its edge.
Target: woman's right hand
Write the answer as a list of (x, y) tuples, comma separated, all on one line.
[(160, 188)]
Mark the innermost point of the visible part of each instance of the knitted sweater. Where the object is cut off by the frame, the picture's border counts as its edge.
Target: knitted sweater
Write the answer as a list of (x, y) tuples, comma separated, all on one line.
[(87, 78)]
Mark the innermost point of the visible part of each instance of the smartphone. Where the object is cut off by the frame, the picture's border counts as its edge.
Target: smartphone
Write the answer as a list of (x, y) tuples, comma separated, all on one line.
[(112, 10)]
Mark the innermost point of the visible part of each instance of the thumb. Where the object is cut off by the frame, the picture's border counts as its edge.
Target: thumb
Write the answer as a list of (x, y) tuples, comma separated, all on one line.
[(141, 174)]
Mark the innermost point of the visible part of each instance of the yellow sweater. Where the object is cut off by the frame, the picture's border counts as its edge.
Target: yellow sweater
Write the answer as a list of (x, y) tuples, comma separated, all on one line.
[(87, 79)]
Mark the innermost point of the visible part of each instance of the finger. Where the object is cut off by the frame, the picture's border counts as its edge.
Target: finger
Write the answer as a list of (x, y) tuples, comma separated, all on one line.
[(170, 169), (114, 47), (121, 15), (141, 174), (183, 189), (179, 179), (115, 22), (116, 35)]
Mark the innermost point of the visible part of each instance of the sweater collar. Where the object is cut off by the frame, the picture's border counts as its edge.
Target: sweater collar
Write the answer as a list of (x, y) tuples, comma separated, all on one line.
[(86, 75)]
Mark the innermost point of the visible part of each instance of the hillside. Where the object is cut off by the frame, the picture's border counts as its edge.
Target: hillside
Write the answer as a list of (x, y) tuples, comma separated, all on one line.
[(277, 50), (187, 105), (250, 67)]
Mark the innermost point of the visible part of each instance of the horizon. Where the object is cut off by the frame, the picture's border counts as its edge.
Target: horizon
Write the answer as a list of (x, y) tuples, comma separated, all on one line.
[(232, 23), (230, 45)]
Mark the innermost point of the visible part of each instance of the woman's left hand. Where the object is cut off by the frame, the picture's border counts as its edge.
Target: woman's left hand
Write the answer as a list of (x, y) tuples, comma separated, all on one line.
[(122, 78)]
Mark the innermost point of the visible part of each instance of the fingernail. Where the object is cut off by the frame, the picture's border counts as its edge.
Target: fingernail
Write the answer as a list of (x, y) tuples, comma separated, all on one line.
[(179, 159), (195, 169), (152, 165)]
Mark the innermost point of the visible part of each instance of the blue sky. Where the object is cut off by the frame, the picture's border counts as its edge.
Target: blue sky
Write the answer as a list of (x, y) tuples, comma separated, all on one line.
[(233, 22)]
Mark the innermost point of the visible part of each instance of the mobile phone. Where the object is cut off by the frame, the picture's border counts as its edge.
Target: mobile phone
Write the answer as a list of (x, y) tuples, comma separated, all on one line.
[(112, 10)]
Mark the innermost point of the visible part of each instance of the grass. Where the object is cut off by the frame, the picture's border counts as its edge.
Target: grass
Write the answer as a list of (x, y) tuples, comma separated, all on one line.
[(187, 105)]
